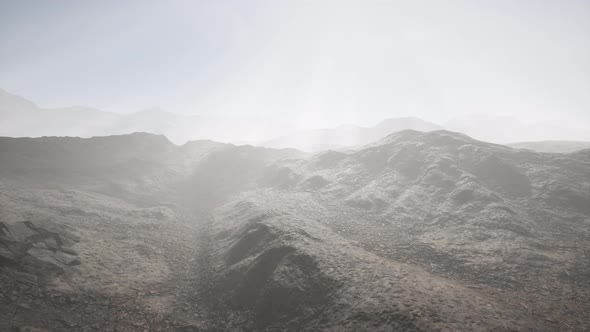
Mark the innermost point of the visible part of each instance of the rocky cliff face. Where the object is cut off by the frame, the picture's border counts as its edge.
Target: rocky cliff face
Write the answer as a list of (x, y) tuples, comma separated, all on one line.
[(418, 231)]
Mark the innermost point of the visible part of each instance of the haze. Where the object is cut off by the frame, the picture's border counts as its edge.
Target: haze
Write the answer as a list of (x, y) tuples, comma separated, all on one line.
[(182, 166), (302, 64)]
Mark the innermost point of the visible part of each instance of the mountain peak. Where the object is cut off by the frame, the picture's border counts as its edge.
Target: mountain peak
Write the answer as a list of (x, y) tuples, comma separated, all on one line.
[(10, 102), (421, 136)]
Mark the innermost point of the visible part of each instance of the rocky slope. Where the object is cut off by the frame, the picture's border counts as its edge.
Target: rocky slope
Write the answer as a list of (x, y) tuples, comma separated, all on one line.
[(418, 231), (102, 234), (436, 229)]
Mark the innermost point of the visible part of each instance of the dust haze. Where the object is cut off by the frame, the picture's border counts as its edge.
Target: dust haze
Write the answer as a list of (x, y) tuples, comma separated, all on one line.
[(294, 166)]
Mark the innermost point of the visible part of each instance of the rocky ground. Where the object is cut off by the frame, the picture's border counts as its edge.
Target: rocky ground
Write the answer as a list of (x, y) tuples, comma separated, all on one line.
[(417, 232)]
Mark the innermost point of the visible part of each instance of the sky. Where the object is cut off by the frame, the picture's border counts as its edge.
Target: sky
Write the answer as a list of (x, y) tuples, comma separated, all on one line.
[(314, 63)]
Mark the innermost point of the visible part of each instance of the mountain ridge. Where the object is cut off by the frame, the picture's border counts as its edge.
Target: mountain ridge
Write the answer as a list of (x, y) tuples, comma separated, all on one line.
[(418, 231), (24, 118)]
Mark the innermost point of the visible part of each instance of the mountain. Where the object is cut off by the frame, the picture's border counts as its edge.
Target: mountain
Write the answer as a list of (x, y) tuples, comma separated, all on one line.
[(10, 103), (418, 231), (133, 165), (23, 118), (552, 146), (415, 231), (347, 136)]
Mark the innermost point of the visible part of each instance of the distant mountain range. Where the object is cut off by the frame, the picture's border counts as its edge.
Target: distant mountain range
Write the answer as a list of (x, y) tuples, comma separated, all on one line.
[(21, 117)]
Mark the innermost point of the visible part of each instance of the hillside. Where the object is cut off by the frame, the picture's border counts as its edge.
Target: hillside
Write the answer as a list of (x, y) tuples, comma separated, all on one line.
[(420, 231), (416, 231)]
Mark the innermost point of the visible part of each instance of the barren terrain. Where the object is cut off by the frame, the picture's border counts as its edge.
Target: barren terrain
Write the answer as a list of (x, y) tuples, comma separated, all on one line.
[(418, 231)]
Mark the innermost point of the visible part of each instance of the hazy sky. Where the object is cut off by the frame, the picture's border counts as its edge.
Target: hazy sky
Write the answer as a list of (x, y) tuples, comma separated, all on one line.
[(315, 62)]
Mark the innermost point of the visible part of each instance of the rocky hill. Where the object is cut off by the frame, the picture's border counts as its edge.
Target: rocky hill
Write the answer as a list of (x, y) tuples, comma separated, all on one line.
[(417, 231)]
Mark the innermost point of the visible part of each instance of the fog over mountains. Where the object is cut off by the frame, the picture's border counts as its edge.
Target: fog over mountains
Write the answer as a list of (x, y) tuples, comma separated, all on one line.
[(126, 222), (415, 231), (552, 146), (21, 117), (399, 226), (298, 166), (347, 136)]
